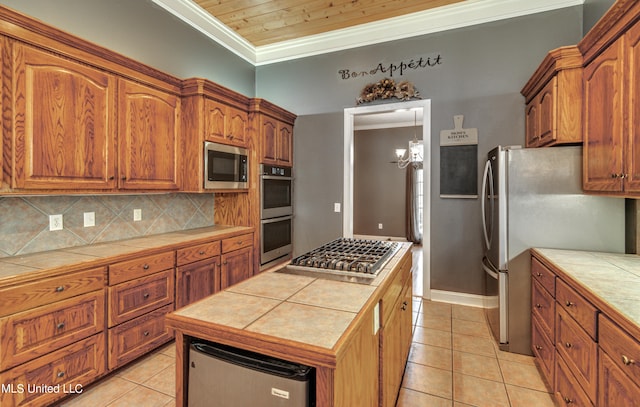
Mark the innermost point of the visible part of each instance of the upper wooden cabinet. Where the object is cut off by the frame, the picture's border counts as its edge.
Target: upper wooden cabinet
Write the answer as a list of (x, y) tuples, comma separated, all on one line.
[(149, 127), (553, 97), (611, 114), (225, 124), (63, 123), (275, 132)]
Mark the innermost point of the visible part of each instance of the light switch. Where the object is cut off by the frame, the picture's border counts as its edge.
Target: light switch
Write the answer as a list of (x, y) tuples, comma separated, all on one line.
[(89, 219), (137, 215)]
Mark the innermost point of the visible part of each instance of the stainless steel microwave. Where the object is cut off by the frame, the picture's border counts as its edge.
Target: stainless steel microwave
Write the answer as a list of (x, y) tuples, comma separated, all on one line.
[(225, 167)]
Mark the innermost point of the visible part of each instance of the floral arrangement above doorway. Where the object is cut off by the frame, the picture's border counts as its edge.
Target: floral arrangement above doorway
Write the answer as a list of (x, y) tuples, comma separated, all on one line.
[(387, 89)]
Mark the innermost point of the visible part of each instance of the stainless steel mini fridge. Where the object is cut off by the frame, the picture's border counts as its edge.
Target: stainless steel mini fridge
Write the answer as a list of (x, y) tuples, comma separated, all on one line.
[(222, 376)]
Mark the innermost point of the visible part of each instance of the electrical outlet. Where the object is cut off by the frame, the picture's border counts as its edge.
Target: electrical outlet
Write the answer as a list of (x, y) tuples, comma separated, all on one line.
[(380, 226), (89, 219), (336, 207), (55, 222), (137, 215)]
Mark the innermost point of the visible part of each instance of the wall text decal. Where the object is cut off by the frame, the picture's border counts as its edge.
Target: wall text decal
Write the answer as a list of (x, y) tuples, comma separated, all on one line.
[(393, 68)]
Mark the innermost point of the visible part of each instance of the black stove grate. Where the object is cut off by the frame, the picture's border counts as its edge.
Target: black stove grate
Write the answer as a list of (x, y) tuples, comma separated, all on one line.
[(352, 255)]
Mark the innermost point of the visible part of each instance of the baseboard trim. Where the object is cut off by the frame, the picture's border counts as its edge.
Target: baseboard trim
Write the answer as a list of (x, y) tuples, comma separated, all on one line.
[(452, 297)]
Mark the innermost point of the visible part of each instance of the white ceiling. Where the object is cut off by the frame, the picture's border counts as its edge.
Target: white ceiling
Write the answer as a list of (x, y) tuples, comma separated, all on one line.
[(466, 13)]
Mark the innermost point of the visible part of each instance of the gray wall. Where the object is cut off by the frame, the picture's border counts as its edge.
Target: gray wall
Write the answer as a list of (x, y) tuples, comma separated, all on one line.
[(484, 68), (145, 32), (379, 185), (593, 10)]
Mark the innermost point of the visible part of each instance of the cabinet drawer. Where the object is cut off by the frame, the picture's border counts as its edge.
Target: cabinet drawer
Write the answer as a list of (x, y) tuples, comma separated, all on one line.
[(199, 252), (132, 269), (71, 368), (238, 242), (543, 350), (580, 309), (138, 336), (579, 351), (544, 307), (615, 387), (134, 298), (568, 391), (46, 291), (621, 347), (544, 276), (37, 332)]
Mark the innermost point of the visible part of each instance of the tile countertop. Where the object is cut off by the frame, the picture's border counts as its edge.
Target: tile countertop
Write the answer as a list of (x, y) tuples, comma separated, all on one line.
[(614, 279), (279, 306), (47, 264)]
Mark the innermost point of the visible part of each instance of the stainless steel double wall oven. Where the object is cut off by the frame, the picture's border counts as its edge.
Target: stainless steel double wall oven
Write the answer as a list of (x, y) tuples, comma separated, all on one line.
[(276, 212)]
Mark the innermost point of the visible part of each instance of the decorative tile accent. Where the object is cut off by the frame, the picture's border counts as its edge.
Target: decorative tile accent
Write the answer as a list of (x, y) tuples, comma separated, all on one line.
[(24, 227)]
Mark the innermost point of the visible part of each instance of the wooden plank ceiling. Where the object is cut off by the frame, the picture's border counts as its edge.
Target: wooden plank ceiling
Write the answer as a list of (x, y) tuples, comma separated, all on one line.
[(264, 22)]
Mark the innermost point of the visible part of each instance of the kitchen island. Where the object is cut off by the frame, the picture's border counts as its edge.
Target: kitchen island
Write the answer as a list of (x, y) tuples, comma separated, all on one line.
[(356, 336)]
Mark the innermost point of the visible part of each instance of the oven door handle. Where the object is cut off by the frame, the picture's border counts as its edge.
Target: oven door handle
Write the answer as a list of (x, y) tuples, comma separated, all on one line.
[(276, 177), (279, 219)]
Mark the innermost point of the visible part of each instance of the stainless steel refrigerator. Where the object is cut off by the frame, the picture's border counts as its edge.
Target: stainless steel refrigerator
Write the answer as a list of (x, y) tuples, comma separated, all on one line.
[(533, 198)]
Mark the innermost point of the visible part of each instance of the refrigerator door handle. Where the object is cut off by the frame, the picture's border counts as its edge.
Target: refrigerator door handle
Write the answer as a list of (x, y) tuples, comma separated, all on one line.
[(487, 268), (487, 179)]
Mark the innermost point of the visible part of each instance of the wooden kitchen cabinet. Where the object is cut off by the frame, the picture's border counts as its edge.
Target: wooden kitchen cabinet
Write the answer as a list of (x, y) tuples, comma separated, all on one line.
[(395, 341), (225, 124), (52, 332), (236, 259), (277, 142), (553, 96), (611, 128), (149, 136), (64, 123), (543, 311), (197, 272), (140, 293)]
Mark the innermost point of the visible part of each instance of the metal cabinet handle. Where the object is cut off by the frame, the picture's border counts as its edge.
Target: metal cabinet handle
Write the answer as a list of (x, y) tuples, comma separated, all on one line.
[(60, 374), (569, 303), (60, 325), (404, 305), (567, 400), (146, 333), (568, 345), (539, 274), (626, 361), (538, 306), (146, 266), (145, 296), (201, 252), (60, 289), (538, 347)]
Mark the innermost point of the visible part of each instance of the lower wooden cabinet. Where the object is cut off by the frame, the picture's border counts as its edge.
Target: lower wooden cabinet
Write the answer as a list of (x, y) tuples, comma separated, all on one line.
[(197, 280), (30, 334), (67, 370), (616, 388), (568, 391), (237, 260), (134, 338)]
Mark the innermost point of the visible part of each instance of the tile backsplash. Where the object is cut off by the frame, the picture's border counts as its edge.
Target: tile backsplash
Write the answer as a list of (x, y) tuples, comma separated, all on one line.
[(24, 221)]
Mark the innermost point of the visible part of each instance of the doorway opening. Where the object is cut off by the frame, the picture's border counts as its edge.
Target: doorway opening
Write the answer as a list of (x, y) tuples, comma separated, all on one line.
[(390, 115)]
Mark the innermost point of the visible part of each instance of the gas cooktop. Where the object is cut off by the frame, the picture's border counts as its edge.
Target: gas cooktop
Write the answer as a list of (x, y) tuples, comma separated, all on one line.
[(355, 260)]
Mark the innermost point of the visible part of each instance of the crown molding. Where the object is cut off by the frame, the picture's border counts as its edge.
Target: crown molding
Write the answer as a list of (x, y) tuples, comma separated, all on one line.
[(457, 15)]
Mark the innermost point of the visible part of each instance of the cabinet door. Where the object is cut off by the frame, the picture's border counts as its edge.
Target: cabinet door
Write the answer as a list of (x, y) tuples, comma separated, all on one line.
[(64, 123), (197, 280), (285, 145), (395, 343), (603, 120), (238, 123), (532, 123), (547, 105), (236, 267), (269, 132), (615, 387), (632, 158), (214, 121), (149, 144)]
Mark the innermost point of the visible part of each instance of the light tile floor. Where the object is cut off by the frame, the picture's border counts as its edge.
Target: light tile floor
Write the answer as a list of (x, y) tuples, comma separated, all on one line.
[(453, 362)]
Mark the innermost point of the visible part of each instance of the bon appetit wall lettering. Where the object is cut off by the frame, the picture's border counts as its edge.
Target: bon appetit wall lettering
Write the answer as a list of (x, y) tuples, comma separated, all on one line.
[(394, 68)]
